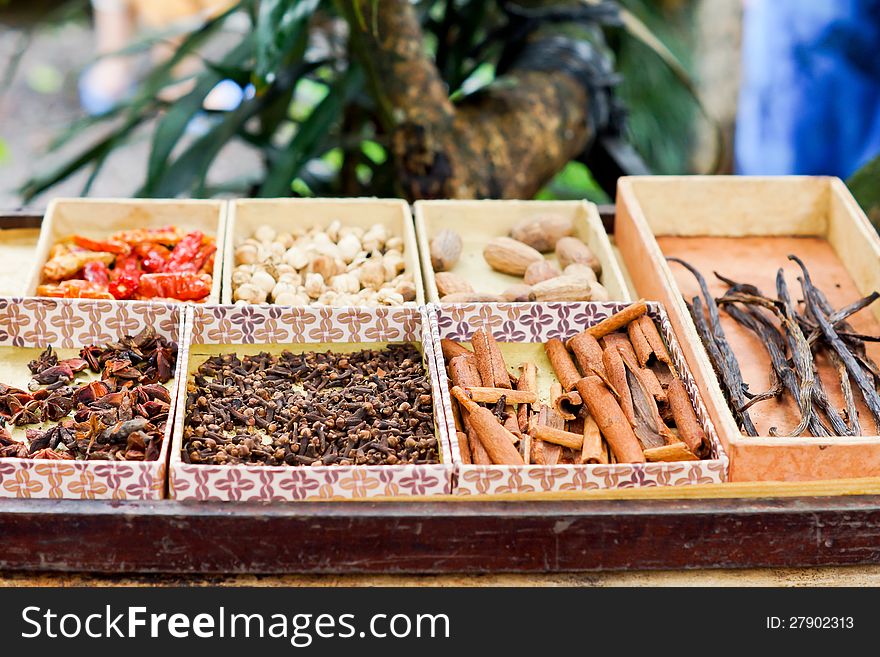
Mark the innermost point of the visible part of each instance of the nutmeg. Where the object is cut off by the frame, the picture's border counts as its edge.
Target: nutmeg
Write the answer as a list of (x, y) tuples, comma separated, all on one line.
[(571, 250), (540, 271), (449, 283), (445, 250), (510, 256), (541, 232)]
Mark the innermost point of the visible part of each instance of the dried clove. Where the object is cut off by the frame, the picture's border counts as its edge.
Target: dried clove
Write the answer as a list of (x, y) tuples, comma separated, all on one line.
[(371, 407)]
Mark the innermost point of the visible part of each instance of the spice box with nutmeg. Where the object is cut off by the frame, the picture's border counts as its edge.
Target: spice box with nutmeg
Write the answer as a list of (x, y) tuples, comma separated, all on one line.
[(87, 392), (571, 396), (299, 403), (321, 252), (516, 251), (128, 249)]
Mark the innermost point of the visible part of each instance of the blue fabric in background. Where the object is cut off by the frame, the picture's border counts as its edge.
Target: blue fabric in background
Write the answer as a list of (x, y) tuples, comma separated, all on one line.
[(810, 94)]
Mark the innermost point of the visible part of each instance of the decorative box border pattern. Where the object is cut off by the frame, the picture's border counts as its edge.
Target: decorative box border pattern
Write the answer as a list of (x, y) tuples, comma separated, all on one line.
[(512, 322), (242, 324), (69, 323)]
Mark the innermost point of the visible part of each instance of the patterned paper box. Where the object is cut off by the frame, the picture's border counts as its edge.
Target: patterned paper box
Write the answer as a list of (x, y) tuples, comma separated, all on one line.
[(98, 218), (275, 326), (69, 323), (537, 323)]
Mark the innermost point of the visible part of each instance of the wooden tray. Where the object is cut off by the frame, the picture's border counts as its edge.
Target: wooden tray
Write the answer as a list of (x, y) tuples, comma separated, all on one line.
[(707, 526), (745, 228)]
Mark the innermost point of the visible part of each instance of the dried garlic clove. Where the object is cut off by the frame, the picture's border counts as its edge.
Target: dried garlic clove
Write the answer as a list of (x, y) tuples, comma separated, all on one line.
[(265, 233)]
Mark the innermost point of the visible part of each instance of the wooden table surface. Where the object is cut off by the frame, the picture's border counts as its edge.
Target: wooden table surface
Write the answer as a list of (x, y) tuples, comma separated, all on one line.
[(633, 541)]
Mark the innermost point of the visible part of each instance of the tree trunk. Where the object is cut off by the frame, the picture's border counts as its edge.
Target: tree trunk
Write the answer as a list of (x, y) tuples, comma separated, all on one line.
[(505, 141)]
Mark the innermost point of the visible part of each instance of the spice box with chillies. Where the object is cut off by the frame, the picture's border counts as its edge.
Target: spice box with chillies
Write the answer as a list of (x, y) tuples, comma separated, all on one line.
[(87, 396), (516, 251), (155, 250), (321, 252), (302, 403), (772, 285), (571, 396)]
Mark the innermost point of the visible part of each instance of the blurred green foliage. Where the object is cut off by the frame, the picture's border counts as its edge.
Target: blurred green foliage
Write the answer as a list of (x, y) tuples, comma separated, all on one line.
[(311, 118), (865, 186)]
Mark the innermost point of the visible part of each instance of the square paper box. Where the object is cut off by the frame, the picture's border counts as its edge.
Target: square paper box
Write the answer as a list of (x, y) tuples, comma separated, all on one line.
[(477, 222), (251, 329), (284, 214), (521, 331), (27, 326), (745, 228), (98, 218)]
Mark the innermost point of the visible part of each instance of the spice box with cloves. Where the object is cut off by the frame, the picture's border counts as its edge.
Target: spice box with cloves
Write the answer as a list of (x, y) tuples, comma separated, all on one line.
[(310, 403), (571, 396), (87, 394)]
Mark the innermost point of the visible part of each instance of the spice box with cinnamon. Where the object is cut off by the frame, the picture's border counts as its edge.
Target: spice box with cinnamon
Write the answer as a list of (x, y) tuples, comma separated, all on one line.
[(87, 397), (295, 403), (571, 396), (130, 249), (321, 252), (516, 251), (771, 284)]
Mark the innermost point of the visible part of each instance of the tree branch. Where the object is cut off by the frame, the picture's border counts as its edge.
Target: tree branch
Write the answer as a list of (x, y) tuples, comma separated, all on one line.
[(506, 141)]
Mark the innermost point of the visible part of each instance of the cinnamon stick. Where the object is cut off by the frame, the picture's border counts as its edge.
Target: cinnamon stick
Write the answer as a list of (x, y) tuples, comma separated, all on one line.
[(478, 452), (652, 335), (593, 450), (639, 342), (689, 429), (497, 440), (568, 405), (676, 451), (490, 362), (620, 342), (588, 354), (617, 375), (649, 379), (483, 395), (559, 437), (553, 452), (464, 446), (528, 382), (563, 365), (463, 371), (618, 320), (612, 422), (451, 349)]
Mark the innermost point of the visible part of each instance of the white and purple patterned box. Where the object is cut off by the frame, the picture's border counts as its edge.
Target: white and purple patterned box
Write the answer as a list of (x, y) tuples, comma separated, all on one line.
[(74, 323), (278, 325), (537, 323)]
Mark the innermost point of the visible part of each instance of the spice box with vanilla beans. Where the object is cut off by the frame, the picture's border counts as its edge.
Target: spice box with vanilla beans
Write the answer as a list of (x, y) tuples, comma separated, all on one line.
[(772, 285)]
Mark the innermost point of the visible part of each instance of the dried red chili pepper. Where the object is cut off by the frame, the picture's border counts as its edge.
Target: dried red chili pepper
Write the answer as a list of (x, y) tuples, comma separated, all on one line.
[(185, 286), (154, 256), (96, 272), (110, 246), (74, 289), (185, 252), (125, 277)]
